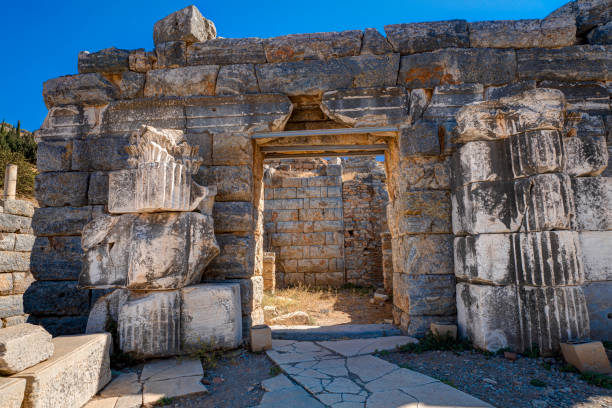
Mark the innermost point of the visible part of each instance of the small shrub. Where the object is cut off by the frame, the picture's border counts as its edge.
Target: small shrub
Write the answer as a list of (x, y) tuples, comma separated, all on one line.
[(598, 380), (207, 352), (275, 370), (533, 352), (432, 342), (546, 366), (163, 401), (536, 382)]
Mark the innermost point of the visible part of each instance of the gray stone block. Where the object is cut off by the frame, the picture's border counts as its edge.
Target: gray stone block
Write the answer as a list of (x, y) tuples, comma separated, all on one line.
[(512, 89), (235, 259), (596, 257), (424, 254), (321, 46), (315, 77), (23, 346), (109, 60), (419, 139), (78, 89), (575, 63), (593, 200), (374, 43), (62, 220), (234, 183), (131, 85), (448, 99), (15, 223), (549, 33), (421, 37), (97, 193), (425, 212), (426, 295), (187, 24), (236, 79), (61, 325), (184, 81), (585, 156), (226, 51), (100, 154), (233, 217), (11, 305), (57, 189), (54, 156), (56, 258), (56, 299), (601, 34), (367, 106), (18, 207), (597, 297), (66, 122), (171, 54), (484, 66)]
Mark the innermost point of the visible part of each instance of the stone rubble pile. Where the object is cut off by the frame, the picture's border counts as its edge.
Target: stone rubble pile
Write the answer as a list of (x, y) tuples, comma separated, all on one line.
[(62, 372), (153, 248), (516, 213)]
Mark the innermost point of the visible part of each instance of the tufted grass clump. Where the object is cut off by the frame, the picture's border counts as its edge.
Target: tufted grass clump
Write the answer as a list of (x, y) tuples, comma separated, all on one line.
[(433, 342)]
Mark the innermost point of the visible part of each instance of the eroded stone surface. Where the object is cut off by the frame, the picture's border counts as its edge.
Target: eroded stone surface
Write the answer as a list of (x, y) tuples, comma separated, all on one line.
[(12, 391), (22, 346), (187, 25)]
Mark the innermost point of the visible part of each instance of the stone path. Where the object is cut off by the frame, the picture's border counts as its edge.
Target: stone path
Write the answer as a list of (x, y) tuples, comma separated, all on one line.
[(344, 374), (159, 379)]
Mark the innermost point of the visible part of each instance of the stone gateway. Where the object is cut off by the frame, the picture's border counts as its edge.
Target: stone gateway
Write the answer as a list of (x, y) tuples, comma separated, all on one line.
[(496, 139)]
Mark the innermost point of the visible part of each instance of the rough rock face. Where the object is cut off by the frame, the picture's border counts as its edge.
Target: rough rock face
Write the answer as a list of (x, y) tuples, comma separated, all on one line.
[(186, 25), (22, 346)]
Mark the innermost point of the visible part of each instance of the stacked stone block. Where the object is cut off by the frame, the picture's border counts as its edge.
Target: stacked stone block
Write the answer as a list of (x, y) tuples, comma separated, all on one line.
[(304, 225), (364, 199), (16, 242), (517, 253)]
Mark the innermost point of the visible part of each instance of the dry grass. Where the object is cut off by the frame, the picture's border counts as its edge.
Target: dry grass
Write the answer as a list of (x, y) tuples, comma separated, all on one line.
[(326, 306)]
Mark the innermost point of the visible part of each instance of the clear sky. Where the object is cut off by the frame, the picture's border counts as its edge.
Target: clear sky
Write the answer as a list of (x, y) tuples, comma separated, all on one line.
[(41, 39)]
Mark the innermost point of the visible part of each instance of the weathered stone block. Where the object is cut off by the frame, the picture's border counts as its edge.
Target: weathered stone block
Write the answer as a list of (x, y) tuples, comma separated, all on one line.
[(232, 149), (226, 51), (585, 156), (593, 200), (13, 390), (367, 106), (536, 152), (185, 81), (62, 220), (233, 217), (56, 299), (374, 43), (235, 259), (109, 60), (597, 295), (131, 85), (488, 316), (425, 212), (61, 325), (141, 61), (426, 295), (424, 254), (171, 54), (322, 46), (64, 123), (105, 312), (499, 119), (57, 189), (97, 193), (234, 183), (316, 77), (187, 24), (448, 99), (575, 63), (23, 346), (54, 156), (419, 139), (236, 79), (91, 89), (549, 33), (210, 313), (149, 324), (24, 242), (100, 154), (582, 98), (79, 368), (261, 338), (18, 207), (480, 161), (512, 89), (14, 261), (601, 34), (596, 256), (430, 36), (11, 305), (587, 356), (484, 66), (56, 258)]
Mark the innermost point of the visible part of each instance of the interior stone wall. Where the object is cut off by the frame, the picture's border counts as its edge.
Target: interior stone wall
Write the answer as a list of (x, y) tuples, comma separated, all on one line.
[(220, 91)]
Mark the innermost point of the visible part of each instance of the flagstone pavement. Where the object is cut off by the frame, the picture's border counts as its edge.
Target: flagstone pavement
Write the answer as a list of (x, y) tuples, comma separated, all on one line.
[(345, 374)]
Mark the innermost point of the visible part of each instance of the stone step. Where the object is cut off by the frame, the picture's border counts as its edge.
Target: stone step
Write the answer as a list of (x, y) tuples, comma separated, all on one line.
[(343, 331), (78, 369)]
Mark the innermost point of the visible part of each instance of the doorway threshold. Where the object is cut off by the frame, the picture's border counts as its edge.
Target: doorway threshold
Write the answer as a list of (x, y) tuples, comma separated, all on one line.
[(335, 332)]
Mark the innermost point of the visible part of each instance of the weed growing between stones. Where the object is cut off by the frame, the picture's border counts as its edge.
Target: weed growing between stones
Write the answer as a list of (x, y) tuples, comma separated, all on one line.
[(533, 352), (163, 401), (536, 382), (275, 370), (432, 342), (599, 380), (207, 352)]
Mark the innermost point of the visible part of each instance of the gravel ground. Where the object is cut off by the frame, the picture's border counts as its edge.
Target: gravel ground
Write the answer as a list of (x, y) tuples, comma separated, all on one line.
[(505, 383), (233, 383)]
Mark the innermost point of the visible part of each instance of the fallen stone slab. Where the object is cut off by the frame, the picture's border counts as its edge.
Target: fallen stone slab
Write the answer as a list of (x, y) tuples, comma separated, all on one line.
[(124, 384), (153, 391), (320, 333), (356, 347), (79, 368), (296, 395), (22, 346), (11, 392)]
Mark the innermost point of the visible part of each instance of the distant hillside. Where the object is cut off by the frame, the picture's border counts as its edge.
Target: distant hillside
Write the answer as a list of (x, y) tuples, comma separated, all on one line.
[(17, 146)]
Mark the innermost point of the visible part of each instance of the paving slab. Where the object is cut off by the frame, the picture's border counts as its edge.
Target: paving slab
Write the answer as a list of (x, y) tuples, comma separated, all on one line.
[(442, 395), (153, 391), (102, 403), (344, 331), (342, 385), (11, 391), (368, 367), (277, 383), (356, 347), (391, 398), (171, 368), (335, 367), (295, 397), (124, 384), (398, 379)]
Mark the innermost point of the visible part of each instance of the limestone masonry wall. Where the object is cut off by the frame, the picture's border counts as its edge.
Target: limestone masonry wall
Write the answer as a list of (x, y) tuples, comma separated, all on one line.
[(415, 79), (16, 242)]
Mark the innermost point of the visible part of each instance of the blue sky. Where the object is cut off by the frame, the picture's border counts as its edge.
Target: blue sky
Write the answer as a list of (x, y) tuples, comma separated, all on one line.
[(41, 39)]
